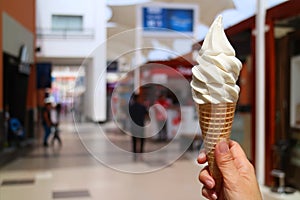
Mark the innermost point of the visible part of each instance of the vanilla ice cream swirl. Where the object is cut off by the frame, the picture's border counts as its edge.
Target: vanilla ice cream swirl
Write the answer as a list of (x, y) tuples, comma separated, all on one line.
[(215, 76)]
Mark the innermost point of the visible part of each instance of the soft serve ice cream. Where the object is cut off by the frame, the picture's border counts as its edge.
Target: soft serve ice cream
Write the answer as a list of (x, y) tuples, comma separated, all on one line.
[(215, 92), (215, 76)]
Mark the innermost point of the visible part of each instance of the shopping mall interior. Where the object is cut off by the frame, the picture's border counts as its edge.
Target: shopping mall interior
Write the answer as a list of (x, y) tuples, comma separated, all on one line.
[(91, 61)]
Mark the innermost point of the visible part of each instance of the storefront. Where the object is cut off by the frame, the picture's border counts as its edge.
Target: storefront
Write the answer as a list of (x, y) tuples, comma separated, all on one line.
[(170, 79), (17, 71)]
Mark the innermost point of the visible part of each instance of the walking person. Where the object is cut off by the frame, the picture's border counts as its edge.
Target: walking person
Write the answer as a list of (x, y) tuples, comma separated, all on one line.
[(161, 116), (138, 112), (46, 120), (55, 116)]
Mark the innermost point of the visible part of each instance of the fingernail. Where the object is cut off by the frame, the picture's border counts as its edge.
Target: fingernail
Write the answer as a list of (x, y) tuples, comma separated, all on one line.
[(223, 147), (214, 196), (201, 158), (202, 155)]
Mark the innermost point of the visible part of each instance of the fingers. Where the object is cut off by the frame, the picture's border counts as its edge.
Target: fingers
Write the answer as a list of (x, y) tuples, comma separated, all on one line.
[(209, 194), (208, 184), (206, 179)]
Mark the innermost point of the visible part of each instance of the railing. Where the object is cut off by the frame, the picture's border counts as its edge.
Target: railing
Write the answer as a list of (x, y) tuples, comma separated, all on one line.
[(47, 33)]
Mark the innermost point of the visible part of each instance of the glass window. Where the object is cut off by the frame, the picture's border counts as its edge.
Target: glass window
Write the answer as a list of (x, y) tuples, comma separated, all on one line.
[(67, 22)]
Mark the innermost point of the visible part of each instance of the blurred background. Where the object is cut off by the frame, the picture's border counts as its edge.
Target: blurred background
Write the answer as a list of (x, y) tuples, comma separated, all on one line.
[(90, 57)]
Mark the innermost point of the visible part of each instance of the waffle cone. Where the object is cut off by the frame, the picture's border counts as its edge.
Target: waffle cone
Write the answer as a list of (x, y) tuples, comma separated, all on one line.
[(215, 121)]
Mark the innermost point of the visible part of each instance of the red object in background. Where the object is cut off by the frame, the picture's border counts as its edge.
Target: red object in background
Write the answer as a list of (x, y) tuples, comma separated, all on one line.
[(164, 103), (176, 120), (172, 67)]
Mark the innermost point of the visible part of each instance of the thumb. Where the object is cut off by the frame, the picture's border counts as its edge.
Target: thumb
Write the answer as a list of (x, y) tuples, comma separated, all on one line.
[(225, 161)]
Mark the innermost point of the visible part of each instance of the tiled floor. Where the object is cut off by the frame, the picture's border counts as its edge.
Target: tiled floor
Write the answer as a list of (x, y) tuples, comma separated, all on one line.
[(88, 166), (94, 163)]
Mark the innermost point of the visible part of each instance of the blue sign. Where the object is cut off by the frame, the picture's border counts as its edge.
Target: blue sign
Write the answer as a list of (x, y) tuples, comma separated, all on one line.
[(163, 19)]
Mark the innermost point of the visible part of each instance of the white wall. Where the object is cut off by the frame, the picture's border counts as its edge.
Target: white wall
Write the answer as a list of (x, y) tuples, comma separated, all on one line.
[(70, 47), (45, 9), (93, 12)]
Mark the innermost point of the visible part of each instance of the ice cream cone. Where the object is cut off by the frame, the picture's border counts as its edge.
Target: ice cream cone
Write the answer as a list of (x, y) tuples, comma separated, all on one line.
[(215, 121)]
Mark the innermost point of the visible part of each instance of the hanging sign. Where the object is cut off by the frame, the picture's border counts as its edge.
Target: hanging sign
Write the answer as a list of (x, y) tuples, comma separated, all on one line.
[(168, 19)]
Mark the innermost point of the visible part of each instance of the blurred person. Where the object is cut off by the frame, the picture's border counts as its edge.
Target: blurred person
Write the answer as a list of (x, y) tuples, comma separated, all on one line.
[(138, 113), (58, 108), (161, 116), (46, 120), (239, 180), (55, 117)]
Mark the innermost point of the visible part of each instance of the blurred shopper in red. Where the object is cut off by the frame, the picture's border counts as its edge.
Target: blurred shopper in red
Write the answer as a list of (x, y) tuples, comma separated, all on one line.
[(161, 116)]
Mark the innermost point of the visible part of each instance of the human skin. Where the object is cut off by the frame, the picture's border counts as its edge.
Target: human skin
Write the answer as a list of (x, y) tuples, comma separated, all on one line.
[(239, 180)]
